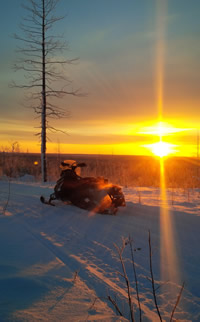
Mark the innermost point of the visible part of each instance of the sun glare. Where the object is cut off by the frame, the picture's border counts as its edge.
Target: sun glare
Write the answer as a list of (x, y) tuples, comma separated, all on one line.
[(160, 130), (161, 149)]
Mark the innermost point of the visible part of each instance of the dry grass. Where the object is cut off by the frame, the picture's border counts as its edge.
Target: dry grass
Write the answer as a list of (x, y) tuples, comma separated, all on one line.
[(140, 171)]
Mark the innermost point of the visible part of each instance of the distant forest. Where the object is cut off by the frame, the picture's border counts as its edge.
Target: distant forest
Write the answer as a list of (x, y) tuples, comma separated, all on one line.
[(133, 171)]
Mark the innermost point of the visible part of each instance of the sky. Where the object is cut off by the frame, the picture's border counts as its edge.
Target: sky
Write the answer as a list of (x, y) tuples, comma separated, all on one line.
[(138, 68)]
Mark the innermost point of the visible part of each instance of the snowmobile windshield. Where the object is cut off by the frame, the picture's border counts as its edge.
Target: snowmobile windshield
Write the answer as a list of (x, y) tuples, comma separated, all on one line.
[(70, 164)]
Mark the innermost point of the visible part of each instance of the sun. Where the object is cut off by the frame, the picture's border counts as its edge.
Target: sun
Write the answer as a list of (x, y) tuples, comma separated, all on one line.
[(163, 131), (161, 149)]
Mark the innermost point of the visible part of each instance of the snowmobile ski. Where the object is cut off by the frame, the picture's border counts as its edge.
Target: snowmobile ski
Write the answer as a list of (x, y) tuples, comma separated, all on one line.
[(46, 202)]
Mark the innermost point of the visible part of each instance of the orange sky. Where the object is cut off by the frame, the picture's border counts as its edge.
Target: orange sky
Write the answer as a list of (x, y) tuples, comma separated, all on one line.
[(139, 65)]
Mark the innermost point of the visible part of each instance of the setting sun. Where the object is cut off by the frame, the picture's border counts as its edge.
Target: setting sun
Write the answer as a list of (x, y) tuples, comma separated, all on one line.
[(161, 149), (161, 130)]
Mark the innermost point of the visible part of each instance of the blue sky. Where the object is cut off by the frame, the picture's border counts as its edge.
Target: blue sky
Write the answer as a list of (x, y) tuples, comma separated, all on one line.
[(116, 42)]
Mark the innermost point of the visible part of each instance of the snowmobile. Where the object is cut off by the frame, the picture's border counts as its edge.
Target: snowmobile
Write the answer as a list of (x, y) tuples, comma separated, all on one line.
[(95, 194)]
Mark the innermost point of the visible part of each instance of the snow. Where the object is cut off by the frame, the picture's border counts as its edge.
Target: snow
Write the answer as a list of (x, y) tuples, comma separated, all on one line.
[(60, 263)]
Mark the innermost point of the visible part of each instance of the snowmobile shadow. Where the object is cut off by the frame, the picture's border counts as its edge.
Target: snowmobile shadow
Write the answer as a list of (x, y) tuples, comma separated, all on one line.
[(134, 209), (146, 213), (18, 293)]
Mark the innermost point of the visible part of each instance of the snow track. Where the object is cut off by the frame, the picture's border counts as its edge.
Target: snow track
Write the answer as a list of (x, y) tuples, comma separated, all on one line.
[(90, 268)]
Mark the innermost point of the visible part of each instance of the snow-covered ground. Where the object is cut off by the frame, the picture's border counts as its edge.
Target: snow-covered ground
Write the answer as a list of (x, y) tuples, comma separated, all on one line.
[(60, 263)]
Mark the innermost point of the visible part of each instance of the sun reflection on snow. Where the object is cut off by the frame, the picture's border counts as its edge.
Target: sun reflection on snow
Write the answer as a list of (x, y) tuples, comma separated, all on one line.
[(169, 262)]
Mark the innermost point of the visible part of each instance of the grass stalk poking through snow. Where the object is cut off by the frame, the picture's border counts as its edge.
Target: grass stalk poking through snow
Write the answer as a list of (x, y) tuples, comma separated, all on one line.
[(152, 278), (8, 198), (135, 275), (177, 301), (124, 275)]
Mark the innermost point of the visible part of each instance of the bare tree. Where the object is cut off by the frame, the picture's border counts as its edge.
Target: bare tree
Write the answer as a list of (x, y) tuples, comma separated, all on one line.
[(42, 67)]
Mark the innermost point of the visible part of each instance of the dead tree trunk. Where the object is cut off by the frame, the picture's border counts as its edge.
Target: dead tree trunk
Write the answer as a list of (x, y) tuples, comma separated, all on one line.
[(44, 72), (43, 114)]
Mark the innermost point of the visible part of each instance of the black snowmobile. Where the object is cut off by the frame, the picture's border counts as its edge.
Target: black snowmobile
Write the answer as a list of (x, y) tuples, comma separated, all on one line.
[(90, 193)]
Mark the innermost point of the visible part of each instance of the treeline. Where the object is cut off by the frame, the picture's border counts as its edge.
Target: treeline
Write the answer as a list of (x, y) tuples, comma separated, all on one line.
[(124, 170)]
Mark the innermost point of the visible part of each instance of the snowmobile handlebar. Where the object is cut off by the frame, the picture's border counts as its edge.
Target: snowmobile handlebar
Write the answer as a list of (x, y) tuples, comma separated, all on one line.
[(74, 165), (81, 165)]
